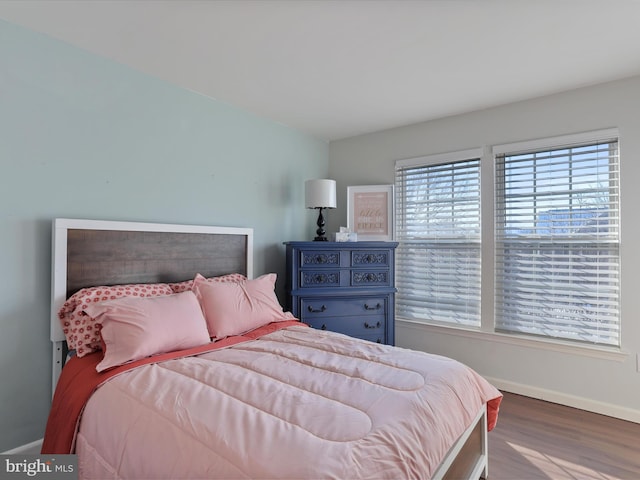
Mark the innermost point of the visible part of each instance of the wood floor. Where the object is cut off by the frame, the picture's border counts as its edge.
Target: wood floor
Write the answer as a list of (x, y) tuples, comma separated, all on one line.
[(539, 440)]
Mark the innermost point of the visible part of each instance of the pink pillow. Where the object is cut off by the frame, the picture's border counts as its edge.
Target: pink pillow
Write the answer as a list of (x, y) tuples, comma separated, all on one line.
[(188, 284), (135, 328), (235, 308), (83, 332)]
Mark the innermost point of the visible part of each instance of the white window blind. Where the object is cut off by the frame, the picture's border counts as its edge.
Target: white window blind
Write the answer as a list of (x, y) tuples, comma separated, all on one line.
[(438, 230), (557, 242)]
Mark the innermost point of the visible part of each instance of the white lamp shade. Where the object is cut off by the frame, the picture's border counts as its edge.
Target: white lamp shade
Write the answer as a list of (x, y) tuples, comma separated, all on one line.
[(320, 193)]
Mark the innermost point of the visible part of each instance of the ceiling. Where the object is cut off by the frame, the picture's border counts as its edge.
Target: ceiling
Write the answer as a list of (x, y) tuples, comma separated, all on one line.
[(335, 69)]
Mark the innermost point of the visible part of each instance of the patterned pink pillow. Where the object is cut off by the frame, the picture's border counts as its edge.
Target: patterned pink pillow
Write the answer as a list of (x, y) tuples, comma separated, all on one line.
[(81, 330), (188, 284)]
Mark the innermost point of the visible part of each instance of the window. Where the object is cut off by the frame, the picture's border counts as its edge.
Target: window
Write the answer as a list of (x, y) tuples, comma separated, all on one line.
[(557, 239), (438, 230)]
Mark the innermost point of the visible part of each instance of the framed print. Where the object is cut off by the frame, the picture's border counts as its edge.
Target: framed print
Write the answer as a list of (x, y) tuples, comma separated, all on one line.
[(370, 211)]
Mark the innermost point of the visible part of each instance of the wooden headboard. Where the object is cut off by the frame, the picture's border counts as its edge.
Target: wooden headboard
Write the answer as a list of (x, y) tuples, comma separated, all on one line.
[(88, 253)]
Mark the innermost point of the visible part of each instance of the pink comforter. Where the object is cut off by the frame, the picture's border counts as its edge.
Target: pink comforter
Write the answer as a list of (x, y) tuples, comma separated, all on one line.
[(296, 403)]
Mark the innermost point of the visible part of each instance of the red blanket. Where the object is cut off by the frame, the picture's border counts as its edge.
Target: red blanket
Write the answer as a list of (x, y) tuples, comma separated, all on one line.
[(79, 379)]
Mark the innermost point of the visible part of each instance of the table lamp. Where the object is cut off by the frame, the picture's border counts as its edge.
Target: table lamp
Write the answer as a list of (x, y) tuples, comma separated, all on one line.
[(320, 194)]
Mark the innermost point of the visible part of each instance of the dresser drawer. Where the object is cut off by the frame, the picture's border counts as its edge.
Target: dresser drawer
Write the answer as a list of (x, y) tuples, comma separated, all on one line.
[(318, 307), (315, 278), (366, 278), (323, 258), (371, 258), (370, 328)]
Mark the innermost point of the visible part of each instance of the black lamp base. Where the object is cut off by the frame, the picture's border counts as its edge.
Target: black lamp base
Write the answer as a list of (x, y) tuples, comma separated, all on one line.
[(320, 232)]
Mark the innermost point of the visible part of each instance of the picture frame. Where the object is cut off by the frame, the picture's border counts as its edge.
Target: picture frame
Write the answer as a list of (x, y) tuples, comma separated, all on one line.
[(370, 210)]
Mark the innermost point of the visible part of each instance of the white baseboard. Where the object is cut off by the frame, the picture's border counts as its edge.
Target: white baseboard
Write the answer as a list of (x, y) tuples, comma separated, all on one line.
[(594, 406), (29, 448)]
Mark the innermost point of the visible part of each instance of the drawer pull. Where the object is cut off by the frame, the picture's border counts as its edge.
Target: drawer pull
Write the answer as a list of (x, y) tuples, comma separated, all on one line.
[(366, 325), (368, 307), (316, 310)]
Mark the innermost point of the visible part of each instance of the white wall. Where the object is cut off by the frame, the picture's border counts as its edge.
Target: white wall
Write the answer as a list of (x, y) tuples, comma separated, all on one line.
[(591, 380)]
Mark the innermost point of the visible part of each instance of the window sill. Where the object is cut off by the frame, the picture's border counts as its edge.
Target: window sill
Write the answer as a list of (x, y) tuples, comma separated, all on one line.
[(604, 353)]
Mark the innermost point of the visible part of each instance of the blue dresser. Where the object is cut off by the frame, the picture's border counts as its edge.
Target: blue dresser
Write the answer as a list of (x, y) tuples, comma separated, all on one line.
[(347, 287)]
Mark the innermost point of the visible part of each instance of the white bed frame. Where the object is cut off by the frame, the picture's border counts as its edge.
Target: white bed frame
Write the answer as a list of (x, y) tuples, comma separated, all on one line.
[(61, 227), (480, 468), (468, 458)]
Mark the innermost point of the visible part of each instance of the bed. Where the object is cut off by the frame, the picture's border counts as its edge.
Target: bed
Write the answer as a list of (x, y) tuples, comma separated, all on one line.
[(268, 397)]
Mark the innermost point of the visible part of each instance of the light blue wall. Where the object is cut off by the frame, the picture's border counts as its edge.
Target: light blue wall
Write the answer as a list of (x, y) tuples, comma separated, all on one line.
[(83, 137)]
